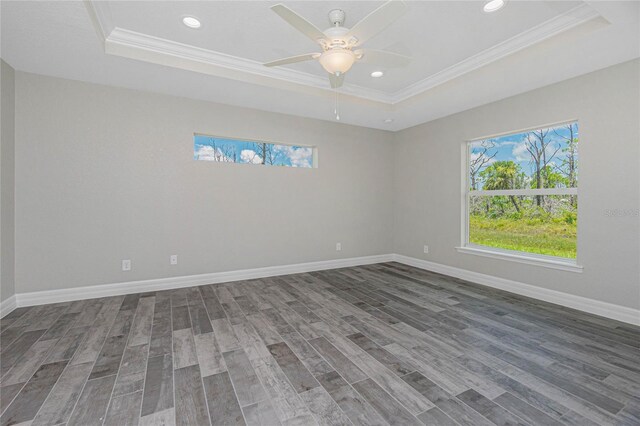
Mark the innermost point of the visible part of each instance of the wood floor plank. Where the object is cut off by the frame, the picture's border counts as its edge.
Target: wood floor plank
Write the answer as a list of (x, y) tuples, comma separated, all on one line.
[(141, 328), (93, 401), (209, 354), (161, 418), (489, 409), (387, 359), (307, 354), (66, 347), (435, 417), (224, 408), (191, 405), (338, 360), (288, 405), (61, 326), (181, 318), (248, 388), (301, 379), (26, 404), (524, 410), (24, 368), (158, 385), (62, 399), (596, 398), (9, 336), (538, 400), (108, 361), (390, 409), (7, 393), (268, 335), (212, 304), (324, 408), (184, 348), (13, 352), (260, 413), (124, 410), (356, 408), (225, 336)]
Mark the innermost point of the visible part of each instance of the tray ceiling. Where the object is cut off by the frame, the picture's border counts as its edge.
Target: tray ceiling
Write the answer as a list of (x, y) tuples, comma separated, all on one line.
[(454, 46)]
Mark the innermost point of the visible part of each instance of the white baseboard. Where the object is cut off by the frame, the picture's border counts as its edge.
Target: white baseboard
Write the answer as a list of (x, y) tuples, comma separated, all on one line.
[(7, 306), (608, 310), (105, 290), (604, 309)]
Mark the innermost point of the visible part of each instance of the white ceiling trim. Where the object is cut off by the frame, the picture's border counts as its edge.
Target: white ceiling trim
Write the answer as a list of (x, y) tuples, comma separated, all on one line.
[(100, 18), (559, 24), (134, 45)]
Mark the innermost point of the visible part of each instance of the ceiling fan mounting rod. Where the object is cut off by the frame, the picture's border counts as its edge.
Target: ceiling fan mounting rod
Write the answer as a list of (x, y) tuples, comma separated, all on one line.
[(336, 17)]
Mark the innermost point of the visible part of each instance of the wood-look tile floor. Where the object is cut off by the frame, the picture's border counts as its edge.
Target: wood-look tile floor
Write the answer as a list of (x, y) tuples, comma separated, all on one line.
[(370, 345)]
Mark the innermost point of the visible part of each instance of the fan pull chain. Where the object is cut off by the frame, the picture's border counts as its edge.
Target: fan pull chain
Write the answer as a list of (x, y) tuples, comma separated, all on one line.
[(335, 109)]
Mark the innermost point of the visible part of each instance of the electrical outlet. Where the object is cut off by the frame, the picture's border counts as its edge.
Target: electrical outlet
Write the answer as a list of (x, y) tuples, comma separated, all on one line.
[(126, 265), (173, 259), (338, 246), (426, 249)]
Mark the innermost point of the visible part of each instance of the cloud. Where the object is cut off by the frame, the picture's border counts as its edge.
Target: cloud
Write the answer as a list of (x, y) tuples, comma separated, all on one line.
[(250, 156), (298, 156), (208, 153), (520, 152)]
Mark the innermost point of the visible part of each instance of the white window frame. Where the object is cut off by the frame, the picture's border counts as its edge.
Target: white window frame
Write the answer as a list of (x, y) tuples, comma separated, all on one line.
[(314, 148), (553, 262)]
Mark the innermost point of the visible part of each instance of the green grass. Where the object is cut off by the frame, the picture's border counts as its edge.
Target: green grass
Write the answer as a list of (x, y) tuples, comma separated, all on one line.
[(533, 236)]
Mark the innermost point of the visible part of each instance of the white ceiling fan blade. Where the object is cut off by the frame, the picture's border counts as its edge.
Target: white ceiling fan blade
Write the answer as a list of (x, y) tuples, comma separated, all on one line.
[(293, 60), (382, 58), (298, 22), (336, 80), (377, 21)]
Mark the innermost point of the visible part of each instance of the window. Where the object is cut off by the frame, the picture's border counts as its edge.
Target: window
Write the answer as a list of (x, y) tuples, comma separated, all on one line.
[(522, 194), (222, 150)]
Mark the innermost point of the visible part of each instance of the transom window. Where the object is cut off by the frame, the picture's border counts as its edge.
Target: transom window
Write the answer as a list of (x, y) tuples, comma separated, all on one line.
[(224, 150), (522, 193)]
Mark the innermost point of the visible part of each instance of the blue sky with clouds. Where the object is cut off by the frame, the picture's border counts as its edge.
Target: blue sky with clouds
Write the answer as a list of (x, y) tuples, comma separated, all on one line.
[(512, 147), (208, 148)]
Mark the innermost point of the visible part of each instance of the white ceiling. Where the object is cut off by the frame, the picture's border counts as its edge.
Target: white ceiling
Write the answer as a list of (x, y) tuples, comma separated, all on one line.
[(462, 57)]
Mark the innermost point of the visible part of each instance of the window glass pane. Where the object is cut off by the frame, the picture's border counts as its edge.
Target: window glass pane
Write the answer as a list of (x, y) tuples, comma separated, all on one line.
[(542, 158), (222, 150), (543, 224)]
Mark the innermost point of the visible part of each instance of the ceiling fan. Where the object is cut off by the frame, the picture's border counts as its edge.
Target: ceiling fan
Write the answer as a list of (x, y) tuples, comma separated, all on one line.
[(338, 42)]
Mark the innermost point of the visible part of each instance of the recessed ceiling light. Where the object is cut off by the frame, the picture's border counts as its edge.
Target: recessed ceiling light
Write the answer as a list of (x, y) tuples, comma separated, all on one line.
[(377, 74), (493, 6), (191, 22), (388, 120)]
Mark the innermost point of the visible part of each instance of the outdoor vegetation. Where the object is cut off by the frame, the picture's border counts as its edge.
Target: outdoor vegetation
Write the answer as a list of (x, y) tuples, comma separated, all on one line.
[(524, 165)]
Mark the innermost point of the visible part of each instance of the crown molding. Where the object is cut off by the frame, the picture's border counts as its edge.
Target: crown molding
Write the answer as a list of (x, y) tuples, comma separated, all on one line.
[(100, 18), (130, 44), (559, 24), (134, 45)]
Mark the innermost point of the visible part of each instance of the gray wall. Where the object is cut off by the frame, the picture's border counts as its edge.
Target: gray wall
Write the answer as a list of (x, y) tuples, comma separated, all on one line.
[(105, 174), (7, 186), (428, 182)]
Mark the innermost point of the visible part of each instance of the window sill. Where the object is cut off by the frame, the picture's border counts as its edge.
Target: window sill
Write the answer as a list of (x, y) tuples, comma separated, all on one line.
[(563, 265)]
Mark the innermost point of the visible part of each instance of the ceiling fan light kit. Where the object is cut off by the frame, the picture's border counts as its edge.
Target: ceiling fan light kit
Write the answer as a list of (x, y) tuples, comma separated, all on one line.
[(338, 42), (337, 61)]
